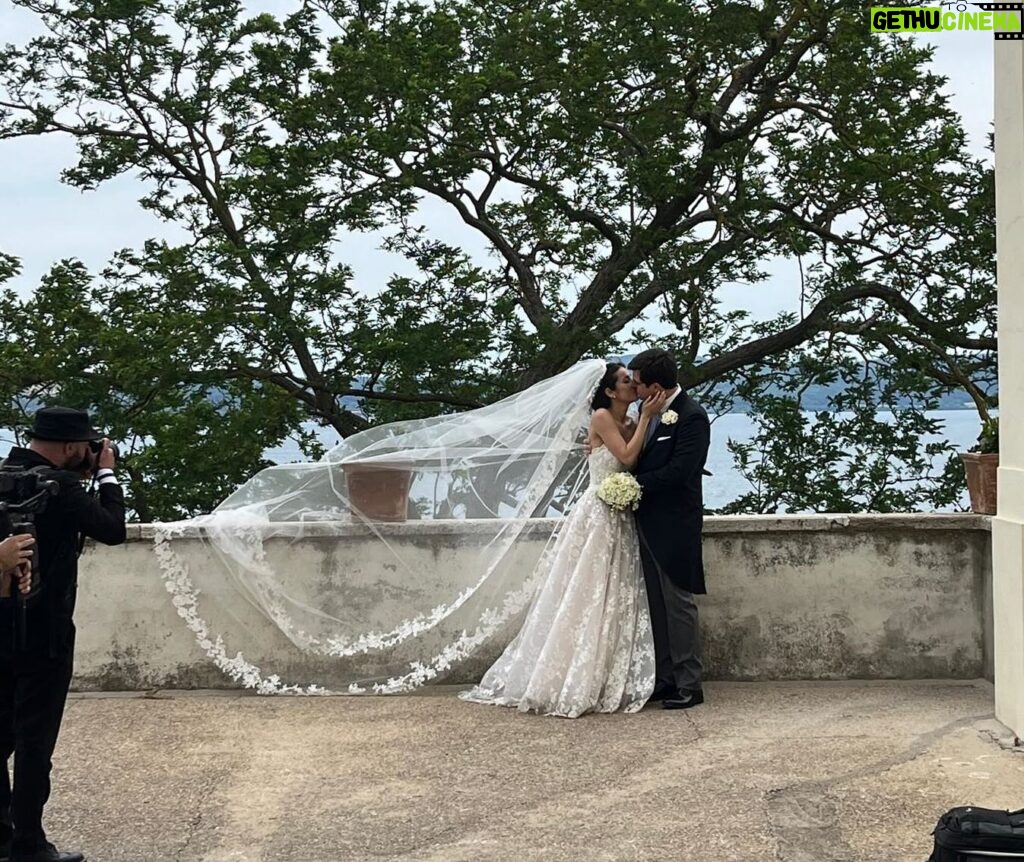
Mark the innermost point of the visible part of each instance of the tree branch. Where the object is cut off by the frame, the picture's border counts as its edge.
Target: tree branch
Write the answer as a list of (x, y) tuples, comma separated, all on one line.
[(413, 398), (817, 321)]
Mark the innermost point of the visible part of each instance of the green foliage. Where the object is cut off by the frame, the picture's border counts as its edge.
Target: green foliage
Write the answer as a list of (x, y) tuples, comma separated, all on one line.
[(988, 440), (79, 342), (865, 454), (623, 162)]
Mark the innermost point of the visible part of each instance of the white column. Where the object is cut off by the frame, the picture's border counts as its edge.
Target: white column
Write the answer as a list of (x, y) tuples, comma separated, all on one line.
[(1008, 524)]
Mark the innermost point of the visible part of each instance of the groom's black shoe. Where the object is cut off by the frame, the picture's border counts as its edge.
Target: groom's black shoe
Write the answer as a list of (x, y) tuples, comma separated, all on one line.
[(662, 692), (684, 699)]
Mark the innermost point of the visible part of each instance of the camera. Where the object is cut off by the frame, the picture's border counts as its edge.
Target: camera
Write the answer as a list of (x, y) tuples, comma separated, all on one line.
[(96, 446), (20, 485), (25, 493)]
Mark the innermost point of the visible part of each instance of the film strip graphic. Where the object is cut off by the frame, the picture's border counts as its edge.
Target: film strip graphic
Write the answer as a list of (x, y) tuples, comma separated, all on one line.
[(1005, 7), (995, 7)]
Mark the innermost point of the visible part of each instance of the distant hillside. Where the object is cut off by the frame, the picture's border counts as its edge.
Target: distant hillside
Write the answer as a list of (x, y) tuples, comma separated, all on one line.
[(818, 397)]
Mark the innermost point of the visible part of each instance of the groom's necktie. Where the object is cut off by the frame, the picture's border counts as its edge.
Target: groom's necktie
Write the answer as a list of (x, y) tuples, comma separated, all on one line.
[(655, 422)]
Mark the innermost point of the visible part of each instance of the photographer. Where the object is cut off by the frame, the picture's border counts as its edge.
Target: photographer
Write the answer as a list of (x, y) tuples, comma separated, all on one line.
[(37, 649)]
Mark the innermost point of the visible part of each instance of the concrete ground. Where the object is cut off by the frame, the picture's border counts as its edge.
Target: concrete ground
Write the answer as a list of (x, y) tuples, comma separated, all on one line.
[(815, 772)]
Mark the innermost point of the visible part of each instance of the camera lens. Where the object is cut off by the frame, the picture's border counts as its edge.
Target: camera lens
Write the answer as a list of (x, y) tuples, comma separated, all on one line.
[(96, 446)]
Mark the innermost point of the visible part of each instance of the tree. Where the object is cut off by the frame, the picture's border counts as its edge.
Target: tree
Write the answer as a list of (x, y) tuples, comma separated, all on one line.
[(622, 162), (185, 443)]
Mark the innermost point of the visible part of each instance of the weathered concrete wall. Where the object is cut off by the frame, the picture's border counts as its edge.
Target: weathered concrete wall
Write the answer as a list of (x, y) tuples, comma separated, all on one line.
[(847, 597), (792, 597), (988, 625), (1008, 524)]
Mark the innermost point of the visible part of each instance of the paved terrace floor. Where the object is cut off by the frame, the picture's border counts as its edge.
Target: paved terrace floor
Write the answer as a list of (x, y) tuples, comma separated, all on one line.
[(826, 772)]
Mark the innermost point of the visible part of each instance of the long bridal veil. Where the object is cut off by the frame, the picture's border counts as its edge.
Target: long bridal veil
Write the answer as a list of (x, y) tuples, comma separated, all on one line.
[(406, 555)]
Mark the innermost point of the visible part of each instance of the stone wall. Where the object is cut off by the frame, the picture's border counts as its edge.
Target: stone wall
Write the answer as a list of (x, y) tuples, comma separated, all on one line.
[(791, 597)]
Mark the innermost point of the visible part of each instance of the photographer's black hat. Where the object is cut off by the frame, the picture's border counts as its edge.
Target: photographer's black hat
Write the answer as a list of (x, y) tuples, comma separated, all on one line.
[(63, 425)]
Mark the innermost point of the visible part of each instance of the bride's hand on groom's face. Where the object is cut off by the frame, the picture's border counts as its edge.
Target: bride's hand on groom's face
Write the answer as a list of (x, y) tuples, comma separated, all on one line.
[(653, 404)]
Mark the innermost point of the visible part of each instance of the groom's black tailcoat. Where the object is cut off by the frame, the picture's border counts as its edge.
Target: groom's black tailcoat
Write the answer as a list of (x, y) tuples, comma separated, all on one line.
[(671, 512)]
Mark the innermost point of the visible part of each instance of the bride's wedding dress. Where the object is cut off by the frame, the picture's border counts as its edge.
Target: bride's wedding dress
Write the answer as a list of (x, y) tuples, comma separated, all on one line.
[(586, 643), (402, 617)]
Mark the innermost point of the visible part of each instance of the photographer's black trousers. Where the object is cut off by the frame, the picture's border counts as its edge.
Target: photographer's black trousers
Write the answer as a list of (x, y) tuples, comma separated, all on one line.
[(33, 690)]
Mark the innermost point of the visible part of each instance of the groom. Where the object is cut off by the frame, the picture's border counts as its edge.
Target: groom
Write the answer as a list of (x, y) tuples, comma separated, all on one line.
[(669, 521)]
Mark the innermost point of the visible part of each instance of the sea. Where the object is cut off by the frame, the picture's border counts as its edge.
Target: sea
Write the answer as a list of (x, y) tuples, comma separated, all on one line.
[(959, 427)]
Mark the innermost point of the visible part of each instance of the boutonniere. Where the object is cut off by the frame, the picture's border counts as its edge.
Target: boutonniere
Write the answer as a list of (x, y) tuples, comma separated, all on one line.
[(669, 417)]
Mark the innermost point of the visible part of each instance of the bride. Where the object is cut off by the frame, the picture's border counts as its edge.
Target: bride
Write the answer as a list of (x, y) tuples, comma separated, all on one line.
[(586, 643), (299, 571)]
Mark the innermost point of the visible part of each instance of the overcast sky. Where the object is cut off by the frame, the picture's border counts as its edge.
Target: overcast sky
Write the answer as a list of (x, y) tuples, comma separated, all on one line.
[(42, 220)]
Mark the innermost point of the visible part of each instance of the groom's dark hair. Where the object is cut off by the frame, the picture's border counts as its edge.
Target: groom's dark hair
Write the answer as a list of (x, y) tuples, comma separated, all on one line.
[(656, 366)]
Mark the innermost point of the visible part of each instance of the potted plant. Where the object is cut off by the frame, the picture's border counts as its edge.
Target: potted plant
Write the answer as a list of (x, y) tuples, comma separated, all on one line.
[(981, 465), (379, 492)]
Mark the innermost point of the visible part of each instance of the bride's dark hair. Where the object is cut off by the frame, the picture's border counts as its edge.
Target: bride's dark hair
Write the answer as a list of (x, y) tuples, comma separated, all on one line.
[(610, 379)]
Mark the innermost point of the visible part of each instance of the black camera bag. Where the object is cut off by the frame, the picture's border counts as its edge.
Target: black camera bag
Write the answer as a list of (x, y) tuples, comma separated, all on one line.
[(968, 834)]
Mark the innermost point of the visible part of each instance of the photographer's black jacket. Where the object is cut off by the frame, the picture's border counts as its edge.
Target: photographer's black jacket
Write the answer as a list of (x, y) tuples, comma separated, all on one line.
[(69, 514)]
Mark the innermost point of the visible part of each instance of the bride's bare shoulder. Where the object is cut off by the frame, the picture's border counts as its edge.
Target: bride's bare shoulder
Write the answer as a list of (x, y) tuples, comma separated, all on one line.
[(601, 424)]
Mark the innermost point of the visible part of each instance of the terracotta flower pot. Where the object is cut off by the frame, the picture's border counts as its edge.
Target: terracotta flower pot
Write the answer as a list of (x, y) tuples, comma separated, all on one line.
[(379, 493), (981, 480)]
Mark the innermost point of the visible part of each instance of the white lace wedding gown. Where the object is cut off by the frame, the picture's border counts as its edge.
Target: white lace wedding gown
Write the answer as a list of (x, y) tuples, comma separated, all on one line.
[(586, 643)]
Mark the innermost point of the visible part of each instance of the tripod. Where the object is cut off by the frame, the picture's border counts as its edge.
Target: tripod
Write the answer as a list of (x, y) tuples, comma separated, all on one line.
[(19, 517)]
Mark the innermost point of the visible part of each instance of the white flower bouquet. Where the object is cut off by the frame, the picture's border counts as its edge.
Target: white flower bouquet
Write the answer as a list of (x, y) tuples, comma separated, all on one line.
[(621, 491)]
